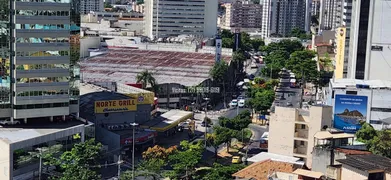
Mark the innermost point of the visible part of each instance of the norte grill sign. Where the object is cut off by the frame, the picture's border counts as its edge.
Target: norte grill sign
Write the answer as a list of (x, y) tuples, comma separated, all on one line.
[(111, 106)]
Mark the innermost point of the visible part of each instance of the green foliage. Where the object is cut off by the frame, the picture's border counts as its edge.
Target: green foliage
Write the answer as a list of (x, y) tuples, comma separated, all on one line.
[(262, 100), (184, 162), (237, 123), (146, 78), (257, 43), (287, 45), (219, 71), (226, 34), (238, 57), (108, 5), (227, 42), (74, 53), (302, 63), (222, 172), (326, 62), (366, 133), (381, 143), (80, 163), (224, 135), (275, 61), (140, 2), (378, 142), (259, 80), (296, 32)]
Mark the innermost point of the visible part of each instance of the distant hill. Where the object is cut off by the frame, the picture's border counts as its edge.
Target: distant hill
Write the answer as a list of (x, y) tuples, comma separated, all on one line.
[(354, 113)]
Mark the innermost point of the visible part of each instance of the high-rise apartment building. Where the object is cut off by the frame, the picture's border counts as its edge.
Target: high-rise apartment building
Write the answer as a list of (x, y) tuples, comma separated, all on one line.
[(175, 17), (243, 15), (330, 14), (370, 40), (87, 6), (281, 16), (39, 75)]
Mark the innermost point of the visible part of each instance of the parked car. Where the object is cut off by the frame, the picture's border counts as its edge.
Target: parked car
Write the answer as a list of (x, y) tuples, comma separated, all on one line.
[(263, 145), (236, 160), (9, 122), (233, 103), (242, 103)]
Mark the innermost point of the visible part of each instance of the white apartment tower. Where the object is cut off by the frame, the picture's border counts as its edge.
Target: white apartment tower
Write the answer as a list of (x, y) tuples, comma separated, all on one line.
[(279, 17), (39, 75), (165, 18), (87, 6), (330, 14), (370, 40)]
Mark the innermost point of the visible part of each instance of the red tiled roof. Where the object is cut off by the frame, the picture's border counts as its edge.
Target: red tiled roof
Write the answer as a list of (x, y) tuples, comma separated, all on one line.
[(261, 170), (352, 151)]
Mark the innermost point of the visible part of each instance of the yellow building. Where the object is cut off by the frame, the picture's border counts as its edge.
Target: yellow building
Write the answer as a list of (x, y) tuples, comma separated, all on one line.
[(340, 56)]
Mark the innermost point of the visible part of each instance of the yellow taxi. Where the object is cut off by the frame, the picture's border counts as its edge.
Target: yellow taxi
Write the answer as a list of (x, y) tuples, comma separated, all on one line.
[(236, 160)]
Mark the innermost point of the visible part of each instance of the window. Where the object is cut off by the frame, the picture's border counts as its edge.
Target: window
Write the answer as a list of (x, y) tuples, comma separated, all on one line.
[(301, 143)]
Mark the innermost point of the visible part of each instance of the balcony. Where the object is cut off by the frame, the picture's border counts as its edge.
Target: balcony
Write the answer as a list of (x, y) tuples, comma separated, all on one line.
[(300, 148), (301, 134)]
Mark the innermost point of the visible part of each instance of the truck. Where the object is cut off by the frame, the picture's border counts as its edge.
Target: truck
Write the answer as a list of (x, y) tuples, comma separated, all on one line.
[(263, 143)]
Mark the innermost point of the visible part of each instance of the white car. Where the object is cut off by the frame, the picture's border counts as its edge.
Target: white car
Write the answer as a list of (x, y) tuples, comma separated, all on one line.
[(233, 103), (242, 103)]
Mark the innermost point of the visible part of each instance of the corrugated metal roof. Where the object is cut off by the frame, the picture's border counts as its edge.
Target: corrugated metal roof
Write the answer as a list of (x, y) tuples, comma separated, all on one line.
[(368, 162)]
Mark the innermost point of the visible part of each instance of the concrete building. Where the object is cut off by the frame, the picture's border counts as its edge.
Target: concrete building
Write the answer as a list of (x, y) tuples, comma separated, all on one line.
[(38, 66), (369, 40), (331, 146), (27, 138), (173, 71), (281, 16), (370, 166), (330, 16), (165, 18), (87, 6), (315, 8), (291, 130), (371, 99), (243, 15), (340, 40)]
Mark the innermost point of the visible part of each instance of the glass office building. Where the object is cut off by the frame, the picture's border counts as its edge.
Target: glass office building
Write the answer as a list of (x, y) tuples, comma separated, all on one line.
[(39, 52)]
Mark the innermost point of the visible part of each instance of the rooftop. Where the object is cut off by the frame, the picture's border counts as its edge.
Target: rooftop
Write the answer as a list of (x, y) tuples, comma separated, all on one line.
[(307, 173), (18, 133), (275, 157), (329, 135), (351, 83), (368, 162), (167, 120), (186, 68), (261, 170)]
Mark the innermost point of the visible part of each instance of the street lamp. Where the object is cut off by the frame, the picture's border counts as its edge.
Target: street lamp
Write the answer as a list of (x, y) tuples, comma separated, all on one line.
[(206, 117), (133, 142)]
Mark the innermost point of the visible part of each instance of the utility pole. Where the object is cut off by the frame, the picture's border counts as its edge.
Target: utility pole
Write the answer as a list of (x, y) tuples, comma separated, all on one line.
[(40, 163), (119, 166), (133, 142), (205, 119)]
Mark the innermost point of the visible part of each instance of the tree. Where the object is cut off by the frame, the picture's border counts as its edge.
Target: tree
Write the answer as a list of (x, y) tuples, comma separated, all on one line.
[(257, 43), (222, 172), (239, 58), (275, 61), (80, 163), (366, 133), (146, 78), (226, 34), (263, 100), (224, 135), (219, 71), (296, 32), (158, 152), (140, 2), (212, 141), (227, 42), (326, 62), (302, 63), (287, 45), (184, 162), (108, 5), (381, 143)]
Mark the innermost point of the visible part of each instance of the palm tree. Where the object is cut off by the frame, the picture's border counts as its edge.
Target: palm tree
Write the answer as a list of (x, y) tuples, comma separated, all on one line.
[(146, 78)]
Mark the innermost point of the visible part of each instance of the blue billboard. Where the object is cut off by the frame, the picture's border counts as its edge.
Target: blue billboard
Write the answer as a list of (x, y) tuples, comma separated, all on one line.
[(349, 111)]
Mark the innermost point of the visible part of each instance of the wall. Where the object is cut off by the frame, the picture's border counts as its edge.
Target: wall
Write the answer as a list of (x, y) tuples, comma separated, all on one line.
[(379, 31), (352, 173), (86, 43), (340, 56), (281, 131), (321, 159), (210, 18), (142, 114), (112, 140), (5, 161), (319, 117)]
